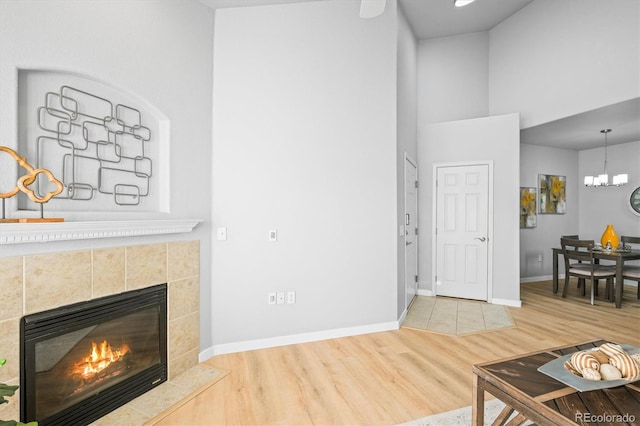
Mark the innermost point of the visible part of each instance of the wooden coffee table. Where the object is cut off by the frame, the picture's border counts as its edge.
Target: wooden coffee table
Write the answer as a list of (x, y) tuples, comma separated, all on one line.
[(546, 401)]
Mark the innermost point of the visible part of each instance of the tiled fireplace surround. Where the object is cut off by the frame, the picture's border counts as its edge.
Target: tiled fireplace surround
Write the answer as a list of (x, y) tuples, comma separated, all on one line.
[(30, 284)]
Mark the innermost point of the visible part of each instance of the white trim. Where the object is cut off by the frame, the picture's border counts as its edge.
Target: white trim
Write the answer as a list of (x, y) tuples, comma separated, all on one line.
[(403, 316), (413, 163), (249, 345), (411, 160), (21, 233), (507, 302), (422, 292), (206, 354)]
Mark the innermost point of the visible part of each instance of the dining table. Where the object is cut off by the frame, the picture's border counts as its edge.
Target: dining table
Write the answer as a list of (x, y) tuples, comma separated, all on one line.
[(619, 256)]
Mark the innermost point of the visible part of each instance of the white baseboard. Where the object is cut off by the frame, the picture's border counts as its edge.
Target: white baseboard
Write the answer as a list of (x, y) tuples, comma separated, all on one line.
[(403, 317), (206, 354), (425, 292), (507, 302), (249, 345)]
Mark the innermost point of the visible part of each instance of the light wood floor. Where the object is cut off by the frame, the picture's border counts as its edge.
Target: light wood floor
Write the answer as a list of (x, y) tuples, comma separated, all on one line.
[(393, 377)]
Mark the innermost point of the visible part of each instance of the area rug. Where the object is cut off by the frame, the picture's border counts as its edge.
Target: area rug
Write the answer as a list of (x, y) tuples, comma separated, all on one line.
[(455, 316), (462, 416)]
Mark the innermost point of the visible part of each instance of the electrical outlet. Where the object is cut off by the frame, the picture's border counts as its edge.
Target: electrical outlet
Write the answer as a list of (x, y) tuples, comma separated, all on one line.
[(273, 235), (272, 298), (280, 297), (291, 297)]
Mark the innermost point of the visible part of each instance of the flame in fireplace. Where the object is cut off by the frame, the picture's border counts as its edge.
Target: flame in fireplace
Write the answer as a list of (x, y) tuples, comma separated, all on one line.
[(100, 357)]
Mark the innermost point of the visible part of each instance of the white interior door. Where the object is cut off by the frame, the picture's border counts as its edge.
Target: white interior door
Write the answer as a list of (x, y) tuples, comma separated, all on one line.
[(410, 230), (462, 201)]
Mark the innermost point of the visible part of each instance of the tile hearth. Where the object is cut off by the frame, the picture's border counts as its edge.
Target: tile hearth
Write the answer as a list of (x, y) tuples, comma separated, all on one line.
[(148, 408), (35, 283)]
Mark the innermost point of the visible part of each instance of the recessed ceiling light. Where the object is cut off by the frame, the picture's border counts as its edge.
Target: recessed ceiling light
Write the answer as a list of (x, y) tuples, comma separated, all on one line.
[(460, 3), (372, 8)]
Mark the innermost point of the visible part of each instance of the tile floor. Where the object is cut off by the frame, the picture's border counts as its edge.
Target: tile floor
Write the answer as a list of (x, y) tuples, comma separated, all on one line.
[(454, 316)]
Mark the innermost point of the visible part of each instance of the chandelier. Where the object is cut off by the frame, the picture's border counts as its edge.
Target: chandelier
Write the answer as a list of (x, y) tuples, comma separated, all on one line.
[(603, 179)]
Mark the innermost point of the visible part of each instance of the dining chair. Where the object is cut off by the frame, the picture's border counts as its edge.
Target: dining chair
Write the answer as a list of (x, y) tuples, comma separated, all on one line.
[(631, 272), (580, 263), (580, 280)]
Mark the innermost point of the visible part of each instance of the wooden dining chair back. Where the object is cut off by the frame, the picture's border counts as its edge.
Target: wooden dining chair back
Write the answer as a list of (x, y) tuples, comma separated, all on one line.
[(580, 263), (580, 280), (631, 272)]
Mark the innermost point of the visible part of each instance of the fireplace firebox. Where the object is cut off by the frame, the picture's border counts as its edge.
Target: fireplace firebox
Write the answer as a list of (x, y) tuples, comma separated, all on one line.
[(81, 361)]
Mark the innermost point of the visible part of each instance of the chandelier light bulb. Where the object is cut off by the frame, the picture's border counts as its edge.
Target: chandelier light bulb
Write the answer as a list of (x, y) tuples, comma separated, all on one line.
[(603, 178)]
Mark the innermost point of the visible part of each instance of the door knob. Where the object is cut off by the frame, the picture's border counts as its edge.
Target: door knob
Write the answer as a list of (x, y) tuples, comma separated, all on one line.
[(408, 243), (482, 239)]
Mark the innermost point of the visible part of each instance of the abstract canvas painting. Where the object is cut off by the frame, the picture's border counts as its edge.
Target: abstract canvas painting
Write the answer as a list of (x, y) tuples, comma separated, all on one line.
[(528, 209), (552, 196)]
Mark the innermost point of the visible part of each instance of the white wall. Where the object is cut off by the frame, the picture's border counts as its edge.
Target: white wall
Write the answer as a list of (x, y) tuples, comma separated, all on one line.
[(492, 138), (538, 241), (157, 50), (407, 130), (554, 59), (453, 78), (602, 206), (304, 142)]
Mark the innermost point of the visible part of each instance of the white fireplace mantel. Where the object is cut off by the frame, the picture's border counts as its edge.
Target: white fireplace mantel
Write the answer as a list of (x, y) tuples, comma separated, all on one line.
[(20, 233)]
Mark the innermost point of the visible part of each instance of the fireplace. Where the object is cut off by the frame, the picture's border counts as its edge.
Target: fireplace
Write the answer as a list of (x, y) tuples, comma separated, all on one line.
[(81, 361)]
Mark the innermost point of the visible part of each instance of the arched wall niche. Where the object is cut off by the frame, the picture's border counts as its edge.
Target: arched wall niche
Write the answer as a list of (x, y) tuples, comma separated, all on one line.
[(108, 146)]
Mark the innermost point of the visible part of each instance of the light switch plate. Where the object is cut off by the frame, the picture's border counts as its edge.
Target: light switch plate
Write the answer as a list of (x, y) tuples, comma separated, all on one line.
[(221, 234), (273, 235)]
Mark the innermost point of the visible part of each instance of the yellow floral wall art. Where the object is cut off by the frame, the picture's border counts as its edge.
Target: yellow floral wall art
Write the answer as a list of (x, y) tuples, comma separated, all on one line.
[(552, 195), (528, 210)]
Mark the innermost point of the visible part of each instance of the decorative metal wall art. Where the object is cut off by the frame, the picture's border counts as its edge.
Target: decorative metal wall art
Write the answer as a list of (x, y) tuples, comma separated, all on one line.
[(95, 146)]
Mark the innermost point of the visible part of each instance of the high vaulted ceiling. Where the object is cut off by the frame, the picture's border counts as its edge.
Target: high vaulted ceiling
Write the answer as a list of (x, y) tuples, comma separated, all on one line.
[(428, 18), (440, 18)]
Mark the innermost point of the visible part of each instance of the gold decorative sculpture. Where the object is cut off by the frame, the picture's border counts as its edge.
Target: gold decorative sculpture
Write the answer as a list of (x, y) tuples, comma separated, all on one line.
[(23, 184)]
